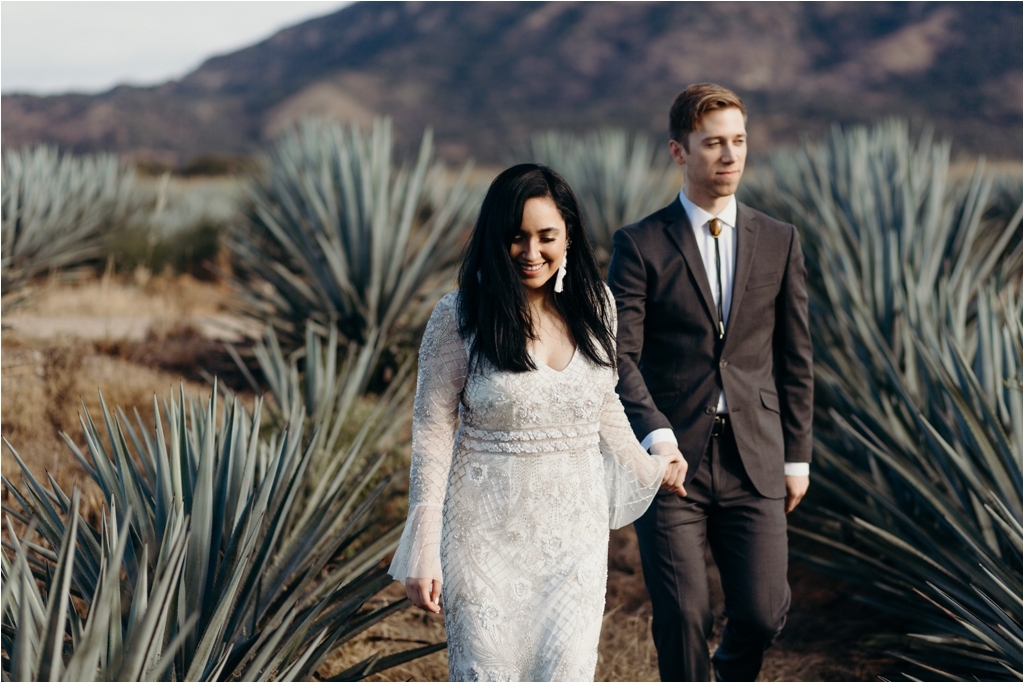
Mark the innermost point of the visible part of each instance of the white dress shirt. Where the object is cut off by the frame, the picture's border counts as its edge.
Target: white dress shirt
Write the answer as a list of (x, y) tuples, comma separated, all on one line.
[(699, 219)]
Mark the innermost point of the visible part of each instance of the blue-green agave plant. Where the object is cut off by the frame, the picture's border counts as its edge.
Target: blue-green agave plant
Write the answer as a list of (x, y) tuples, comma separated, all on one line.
[(915, 282), (218, 557)]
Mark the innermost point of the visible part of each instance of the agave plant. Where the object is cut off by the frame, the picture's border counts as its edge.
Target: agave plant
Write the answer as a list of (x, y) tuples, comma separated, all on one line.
[(344, 236), (54, 210), (35, 623), (277, 567), (916, 301), (618, 178), (329, 397)]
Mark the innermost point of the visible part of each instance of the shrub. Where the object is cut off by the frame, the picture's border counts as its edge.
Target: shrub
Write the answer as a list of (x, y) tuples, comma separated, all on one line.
[(215, 164), (181, 228)]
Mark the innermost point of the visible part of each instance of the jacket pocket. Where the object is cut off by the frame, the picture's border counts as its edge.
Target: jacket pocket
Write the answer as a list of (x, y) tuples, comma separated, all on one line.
[(770, 400), (763, 282)]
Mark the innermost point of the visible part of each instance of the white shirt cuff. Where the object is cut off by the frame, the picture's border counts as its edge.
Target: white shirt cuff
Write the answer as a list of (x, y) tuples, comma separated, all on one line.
[(659, 436), (791, 469), (798, 469)]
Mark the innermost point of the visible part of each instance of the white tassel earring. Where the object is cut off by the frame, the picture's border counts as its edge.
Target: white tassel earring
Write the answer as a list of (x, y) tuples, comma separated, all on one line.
[(560, 276)]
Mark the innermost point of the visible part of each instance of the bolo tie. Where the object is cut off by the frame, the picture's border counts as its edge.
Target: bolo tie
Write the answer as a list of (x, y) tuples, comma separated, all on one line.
[(715, 227)]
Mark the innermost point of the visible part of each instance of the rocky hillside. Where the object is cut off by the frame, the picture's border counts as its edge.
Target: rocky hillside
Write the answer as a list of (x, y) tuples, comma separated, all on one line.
[(484, 75)]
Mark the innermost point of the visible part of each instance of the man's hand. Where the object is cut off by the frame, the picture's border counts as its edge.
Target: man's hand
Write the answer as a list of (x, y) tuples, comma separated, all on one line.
[(424, 593), (675, 470), (796, 488)]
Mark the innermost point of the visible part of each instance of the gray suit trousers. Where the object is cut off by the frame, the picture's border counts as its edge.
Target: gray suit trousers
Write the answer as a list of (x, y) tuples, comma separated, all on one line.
[(747, 536)]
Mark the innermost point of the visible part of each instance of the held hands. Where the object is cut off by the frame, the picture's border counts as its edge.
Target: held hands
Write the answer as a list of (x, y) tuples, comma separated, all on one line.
[(675, 470), (424, 593), (796, 488)]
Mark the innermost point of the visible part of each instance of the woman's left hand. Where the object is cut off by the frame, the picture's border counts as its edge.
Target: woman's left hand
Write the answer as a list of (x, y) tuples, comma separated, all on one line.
[(675, 467), (424, 593)]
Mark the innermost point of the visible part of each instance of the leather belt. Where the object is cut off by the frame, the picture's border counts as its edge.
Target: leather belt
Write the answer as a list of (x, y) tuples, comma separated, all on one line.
[(720, 425)]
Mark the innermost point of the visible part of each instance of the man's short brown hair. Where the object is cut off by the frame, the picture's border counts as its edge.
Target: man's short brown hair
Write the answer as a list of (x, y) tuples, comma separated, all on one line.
[(693, 104)]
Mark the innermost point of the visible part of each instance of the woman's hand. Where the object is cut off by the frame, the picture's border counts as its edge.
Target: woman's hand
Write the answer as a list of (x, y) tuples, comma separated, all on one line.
[(675, 467), (424, 593)]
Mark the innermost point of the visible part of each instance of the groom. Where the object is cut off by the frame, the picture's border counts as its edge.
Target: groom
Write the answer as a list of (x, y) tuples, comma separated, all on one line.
[(715, 361)]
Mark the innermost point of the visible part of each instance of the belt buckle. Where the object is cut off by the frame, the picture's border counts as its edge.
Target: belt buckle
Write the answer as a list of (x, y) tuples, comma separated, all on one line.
[(719, 425)]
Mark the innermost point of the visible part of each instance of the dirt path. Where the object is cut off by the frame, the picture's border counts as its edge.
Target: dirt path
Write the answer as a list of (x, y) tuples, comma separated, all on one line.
[(218, 327)]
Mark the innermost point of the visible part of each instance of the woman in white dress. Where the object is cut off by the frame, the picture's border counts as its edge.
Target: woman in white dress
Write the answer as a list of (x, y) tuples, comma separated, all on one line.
[(522, 456)]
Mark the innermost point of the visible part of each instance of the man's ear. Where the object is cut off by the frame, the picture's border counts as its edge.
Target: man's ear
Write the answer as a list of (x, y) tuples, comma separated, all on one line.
[(677, 152)]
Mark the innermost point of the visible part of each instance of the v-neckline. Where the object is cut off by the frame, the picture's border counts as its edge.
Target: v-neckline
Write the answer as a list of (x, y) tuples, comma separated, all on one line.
[(542, 364)]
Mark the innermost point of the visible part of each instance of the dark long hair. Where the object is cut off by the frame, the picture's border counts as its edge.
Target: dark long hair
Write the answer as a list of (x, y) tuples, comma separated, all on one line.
[(493, 307)]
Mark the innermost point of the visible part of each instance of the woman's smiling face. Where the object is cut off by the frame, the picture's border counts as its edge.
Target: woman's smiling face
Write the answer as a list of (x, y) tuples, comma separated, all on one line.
[(538, 247)]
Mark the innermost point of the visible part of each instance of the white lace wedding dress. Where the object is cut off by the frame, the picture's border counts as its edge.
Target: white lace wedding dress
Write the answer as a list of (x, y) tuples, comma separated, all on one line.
[(515, 480)]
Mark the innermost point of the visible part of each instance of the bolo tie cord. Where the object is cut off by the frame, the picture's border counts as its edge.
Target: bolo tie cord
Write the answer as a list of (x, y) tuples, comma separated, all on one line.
[(715, 227)]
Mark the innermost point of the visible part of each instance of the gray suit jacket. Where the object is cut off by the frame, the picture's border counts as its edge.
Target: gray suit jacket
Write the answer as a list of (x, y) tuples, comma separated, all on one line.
[(672, 364)]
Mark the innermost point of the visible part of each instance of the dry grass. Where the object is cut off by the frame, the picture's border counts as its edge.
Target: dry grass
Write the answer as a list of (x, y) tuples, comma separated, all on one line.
[(43, 381), (143, 294), (408, 629), (45, 385), (46, 380), (131, 308)]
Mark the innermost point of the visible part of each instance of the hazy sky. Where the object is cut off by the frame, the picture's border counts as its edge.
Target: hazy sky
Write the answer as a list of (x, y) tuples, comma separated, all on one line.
[(51, 47)]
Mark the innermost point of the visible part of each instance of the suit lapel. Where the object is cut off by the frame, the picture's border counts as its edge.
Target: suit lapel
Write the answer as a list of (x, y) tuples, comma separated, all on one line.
[(680, 233), (746, 247)]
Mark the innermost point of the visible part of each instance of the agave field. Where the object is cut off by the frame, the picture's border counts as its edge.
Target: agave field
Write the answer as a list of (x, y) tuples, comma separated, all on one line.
[(55, 210), (246, 538), (916, 307), (226, 565), (230, 548)]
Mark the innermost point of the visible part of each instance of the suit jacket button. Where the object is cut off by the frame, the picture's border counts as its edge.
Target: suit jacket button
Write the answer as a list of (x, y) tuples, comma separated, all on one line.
[(710, 410), (723, 363)]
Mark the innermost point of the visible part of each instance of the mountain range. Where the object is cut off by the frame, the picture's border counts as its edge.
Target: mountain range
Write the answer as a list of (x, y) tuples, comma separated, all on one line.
[(485, 75)]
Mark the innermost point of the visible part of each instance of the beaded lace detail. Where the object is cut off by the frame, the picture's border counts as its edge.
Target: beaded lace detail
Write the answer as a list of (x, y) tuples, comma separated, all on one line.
[(514, 482)]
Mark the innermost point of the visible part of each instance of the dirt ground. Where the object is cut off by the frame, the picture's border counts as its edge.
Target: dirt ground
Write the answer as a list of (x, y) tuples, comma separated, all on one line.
[(63, 349)]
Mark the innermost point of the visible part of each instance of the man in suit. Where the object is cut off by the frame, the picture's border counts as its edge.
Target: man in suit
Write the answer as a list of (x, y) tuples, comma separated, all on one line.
[(715, 360)]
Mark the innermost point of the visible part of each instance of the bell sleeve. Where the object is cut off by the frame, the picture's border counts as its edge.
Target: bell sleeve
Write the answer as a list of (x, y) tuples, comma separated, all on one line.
[(443, 361), (632, 475)]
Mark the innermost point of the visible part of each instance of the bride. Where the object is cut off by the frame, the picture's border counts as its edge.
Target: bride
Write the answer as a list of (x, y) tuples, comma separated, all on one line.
[(522, 456)]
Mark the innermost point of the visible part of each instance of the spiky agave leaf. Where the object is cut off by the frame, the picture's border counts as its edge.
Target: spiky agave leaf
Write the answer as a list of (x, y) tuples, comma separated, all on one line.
[(57, 644), (915, 301), (309, 377), (618, 178), (329, 395), (342, 234), (54, 208), (276, 577), (929, 533)]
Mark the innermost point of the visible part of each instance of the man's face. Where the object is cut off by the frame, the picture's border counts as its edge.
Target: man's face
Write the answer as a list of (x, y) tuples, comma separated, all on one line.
[(718, 151)]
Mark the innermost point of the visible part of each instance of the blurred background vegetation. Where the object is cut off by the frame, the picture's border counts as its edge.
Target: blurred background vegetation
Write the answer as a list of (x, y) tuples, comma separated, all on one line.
[(210, 534)]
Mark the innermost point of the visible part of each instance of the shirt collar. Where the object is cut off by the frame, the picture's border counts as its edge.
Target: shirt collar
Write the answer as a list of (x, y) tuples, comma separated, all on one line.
[(699, 217)]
